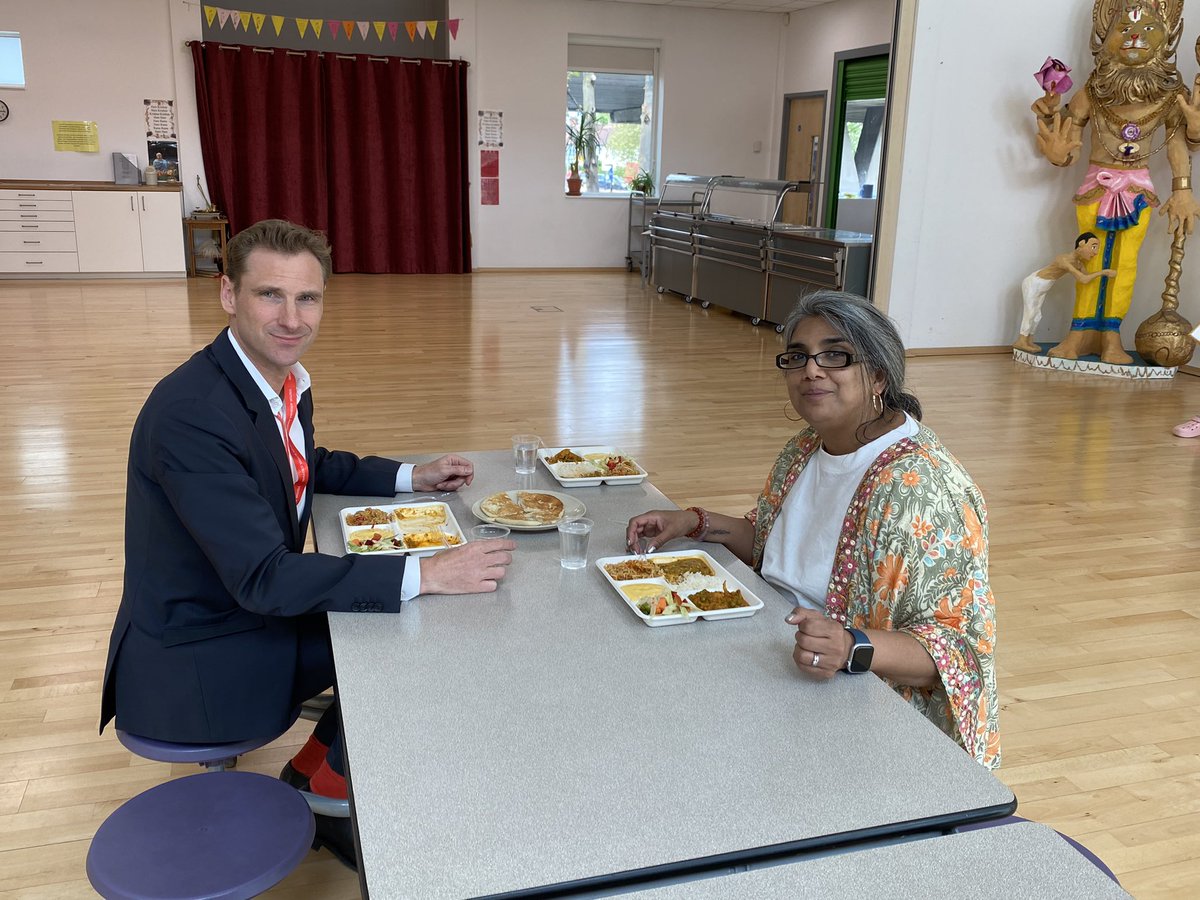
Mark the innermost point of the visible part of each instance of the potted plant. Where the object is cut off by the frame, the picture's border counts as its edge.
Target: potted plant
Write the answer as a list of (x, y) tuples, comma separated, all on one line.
[(584, 138), (642, 182)]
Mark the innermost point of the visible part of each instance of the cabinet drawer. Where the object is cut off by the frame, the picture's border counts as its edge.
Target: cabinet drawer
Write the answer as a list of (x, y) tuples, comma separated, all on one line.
[(37, 215), (33, 194), (39, 262), (25, 226), (35, 205), (37, 242)]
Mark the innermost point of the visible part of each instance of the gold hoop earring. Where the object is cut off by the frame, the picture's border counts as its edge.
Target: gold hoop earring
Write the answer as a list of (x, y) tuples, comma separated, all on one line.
[(788, 406), (877, 404)]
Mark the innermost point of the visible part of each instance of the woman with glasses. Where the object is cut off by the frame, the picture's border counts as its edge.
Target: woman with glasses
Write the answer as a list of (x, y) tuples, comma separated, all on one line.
[(869, 525)]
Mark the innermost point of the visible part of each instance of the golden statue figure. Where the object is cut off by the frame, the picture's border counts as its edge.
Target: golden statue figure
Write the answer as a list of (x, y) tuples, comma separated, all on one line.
[(1136, 106)]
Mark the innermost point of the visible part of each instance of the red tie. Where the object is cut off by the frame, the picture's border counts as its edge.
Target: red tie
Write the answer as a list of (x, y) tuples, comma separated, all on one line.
[(299, 463)]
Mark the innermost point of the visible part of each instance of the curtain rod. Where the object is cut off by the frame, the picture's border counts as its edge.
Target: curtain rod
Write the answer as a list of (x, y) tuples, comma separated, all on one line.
[(383, 59)]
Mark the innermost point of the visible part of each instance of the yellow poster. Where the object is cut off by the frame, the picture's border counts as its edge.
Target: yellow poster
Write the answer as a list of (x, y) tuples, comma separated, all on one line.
[(81, 137)]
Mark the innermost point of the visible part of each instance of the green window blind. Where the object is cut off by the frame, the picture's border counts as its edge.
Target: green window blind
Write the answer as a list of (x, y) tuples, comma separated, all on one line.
[(865, 79)]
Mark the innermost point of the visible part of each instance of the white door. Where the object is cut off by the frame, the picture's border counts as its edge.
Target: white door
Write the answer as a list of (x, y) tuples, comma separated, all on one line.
[(107, 231), (162, 231)]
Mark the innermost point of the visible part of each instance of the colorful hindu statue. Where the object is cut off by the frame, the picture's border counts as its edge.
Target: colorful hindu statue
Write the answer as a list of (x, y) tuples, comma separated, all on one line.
[(1135, 106)]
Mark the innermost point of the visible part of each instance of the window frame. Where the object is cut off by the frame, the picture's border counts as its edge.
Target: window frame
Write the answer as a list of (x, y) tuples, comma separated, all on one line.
[(20, 59)]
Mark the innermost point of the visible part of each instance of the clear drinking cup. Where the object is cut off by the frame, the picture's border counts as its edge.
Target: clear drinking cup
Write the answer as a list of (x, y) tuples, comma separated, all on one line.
[(489, 532), (573, 540), (525, 448)]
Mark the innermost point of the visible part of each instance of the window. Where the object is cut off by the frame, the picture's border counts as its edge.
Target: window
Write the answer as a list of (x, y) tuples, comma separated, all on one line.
[(12, 67), (860, 108), (611, 90)]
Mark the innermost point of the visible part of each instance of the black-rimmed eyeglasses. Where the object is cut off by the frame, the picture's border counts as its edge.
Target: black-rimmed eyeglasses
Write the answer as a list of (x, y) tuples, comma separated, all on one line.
[(826, 359)]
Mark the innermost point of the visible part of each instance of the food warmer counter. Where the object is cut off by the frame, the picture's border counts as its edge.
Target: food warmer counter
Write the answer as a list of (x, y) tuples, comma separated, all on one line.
[(802, 259), (731, 240), (672, 232)]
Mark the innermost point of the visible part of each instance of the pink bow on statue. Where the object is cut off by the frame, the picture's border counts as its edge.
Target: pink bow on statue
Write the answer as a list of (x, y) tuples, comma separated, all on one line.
[(1054, 75)]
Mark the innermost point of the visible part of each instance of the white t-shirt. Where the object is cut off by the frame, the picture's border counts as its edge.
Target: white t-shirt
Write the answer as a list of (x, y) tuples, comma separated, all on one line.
[(798, 555)]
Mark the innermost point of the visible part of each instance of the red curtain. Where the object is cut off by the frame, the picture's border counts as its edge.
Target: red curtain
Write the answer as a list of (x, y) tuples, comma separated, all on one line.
[(372, 152)]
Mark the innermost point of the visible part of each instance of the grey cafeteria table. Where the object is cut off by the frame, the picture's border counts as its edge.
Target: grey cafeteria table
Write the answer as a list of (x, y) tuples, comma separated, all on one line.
[(1010, 861), (541, 739)]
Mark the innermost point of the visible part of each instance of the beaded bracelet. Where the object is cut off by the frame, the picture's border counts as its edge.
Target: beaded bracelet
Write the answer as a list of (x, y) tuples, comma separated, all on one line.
[(701, 528)]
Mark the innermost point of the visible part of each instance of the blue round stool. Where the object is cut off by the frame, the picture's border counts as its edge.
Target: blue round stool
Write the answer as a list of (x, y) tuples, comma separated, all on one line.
[(220, 834), (211, 756)]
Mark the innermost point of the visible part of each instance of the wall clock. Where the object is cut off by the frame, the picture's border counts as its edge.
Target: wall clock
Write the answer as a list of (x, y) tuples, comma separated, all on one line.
[(3, 110)]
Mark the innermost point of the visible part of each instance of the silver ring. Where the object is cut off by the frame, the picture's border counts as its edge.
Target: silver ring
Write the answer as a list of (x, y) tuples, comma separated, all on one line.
[(816, 659)]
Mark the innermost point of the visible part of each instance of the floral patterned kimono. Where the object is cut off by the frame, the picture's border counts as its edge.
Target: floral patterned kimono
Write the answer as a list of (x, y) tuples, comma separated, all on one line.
[(913, 557)]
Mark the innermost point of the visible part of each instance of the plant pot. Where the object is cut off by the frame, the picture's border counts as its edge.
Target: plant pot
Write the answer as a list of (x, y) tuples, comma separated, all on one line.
[(574, 182)]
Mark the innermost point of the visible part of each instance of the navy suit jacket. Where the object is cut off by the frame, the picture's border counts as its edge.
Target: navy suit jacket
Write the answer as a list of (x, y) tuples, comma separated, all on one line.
[(205, 643)]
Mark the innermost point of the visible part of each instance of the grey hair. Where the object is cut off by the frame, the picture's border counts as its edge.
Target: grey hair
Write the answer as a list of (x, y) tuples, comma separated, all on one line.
[(876, 342)]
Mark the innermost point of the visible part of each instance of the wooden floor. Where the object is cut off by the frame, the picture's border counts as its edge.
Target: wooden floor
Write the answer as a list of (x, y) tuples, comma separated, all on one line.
[(1095, 521)]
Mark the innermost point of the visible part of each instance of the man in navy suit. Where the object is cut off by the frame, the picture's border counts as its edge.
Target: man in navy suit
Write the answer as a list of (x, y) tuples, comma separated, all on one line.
[(221, 632)]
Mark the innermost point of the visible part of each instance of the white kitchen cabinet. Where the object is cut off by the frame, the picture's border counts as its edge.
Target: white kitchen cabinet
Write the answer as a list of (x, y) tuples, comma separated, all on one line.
[(162, 231), (108, 231)]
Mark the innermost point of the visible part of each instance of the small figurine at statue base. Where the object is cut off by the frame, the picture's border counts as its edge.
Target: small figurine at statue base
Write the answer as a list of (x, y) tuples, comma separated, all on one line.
[(1035, 286)]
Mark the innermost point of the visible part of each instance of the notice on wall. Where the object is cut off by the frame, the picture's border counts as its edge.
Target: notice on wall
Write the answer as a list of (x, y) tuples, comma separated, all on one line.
[(489, 177), (160, 120), (76, 137), (491, 128)]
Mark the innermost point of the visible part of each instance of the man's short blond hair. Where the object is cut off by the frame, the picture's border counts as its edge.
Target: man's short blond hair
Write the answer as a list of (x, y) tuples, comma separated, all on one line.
[(278, 236)]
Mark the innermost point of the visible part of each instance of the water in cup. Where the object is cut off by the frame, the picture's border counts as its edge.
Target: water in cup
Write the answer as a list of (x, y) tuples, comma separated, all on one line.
[(525, 452), (573, 538)]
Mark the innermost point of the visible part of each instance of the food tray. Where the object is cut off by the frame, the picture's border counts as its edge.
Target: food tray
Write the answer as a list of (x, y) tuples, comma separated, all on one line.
[(572, 509), (755, 603), (556, 468), (413, 519)]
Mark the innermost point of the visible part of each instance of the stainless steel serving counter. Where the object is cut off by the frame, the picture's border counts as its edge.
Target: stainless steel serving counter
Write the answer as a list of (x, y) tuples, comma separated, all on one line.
[(801, 259)]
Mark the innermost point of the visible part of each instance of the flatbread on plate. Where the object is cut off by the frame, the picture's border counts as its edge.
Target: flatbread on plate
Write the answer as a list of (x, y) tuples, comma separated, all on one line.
[(544, 508)]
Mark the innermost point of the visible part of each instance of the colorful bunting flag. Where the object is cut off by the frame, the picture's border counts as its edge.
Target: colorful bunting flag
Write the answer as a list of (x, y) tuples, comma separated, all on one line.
[(242, 20)]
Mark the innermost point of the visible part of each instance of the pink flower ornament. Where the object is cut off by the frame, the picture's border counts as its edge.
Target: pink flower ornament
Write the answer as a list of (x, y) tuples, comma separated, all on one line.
[(1054, 75)]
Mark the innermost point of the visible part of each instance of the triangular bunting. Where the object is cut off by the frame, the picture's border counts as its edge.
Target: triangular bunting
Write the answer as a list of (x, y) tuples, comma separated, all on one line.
[(302, 26), (432, 26), (335, 25), (421, 27), (210, 13), (348, 27), (245, 19), (317, 25), (452, 24), (235, 17), (411, 28), (277, 21), (259, 18), (223, 16), (362, 29), (379, 28), (393, 27)]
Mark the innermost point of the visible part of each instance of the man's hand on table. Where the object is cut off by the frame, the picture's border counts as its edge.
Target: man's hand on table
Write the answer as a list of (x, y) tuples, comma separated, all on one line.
[(446, 473), (471, 569)]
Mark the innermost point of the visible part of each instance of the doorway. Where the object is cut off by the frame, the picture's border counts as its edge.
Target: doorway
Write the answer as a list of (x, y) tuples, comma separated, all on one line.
[(860, 84), (800, 155)]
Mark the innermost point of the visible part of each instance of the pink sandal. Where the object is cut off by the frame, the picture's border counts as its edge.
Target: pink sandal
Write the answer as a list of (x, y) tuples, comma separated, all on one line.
[(1189, 429)]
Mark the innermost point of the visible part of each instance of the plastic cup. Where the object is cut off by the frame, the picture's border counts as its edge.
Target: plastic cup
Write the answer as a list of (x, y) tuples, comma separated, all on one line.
[(525, 448), (573, 541), (489, 532)]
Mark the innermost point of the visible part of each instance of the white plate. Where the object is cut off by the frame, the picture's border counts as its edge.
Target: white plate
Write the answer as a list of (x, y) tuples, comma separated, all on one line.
[(450, 528), (546, 452), (721, 572), (572, 509)]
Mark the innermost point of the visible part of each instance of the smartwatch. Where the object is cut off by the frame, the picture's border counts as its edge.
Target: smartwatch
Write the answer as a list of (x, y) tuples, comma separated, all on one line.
[(861, 652)]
